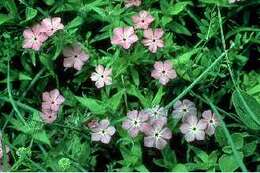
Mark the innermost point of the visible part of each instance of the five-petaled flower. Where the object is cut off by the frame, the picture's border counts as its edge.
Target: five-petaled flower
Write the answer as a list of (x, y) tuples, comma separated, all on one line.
[(156, 113), (183, 109), (153, 39), (142, 20), (124, 37), (163, 71), (136, 122), (102, 76), (193, 129), (51, 25), (52, 100), (102, 131), (34, 37), (75, 57), (130, 3), (158, 135), (211, 120)]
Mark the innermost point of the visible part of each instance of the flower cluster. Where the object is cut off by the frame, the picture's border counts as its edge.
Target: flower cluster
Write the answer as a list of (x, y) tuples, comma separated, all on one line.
[(126, 36), (35, 36), (152, 122), (51, 105), (192, 127)]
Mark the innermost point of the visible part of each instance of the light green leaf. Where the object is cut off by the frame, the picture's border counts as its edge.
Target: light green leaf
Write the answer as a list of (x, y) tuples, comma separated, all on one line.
[(178, 7), (30, 13), (4, 18), (115, 100), (95, 106), (228, 163), (158, 97)]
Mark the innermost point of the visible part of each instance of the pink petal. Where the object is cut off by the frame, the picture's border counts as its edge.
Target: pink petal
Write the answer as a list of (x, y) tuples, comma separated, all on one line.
[(189, 137), (149, 141), (100, 69), (133, 131), (210, 130), (201, 125), (200, 135), (143, 116), (148, 33), (46, 97), (100, 84), (105, 139), (207, 114), (166, 133), (127, 124), (95, 76), (27, 33), (95, 137), (54, 93), (158, 33), (160, 143), (78, 64), (132, 114), (60, 99), (68, 52), (159, 65), (111, 130), (104, 123), (185, 128), (68, 62), (192, 120)]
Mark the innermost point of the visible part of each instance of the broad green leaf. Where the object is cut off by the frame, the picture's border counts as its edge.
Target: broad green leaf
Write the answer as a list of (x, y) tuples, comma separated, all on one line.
[(179, 168), (250, 148), (30, 13), (115, 100), (132, 90), (95, 106), (4, 18), (228, 163), (248, 109), (178, 7)]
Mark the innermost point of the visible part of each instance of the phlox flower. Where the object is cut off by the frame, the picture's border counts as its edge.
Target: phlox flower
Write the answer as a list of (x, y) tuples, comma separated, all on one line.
[(102, 76), (51, 25), (75, 57), (102, 131), (163, 71), (156, 113), (153, 39), (130, 3), (183, 109), (136, 122), (34, 37), (124, 37), (193, 129), (142, 20), (48, 116), (211, 120), (52, 100), (158, 135)]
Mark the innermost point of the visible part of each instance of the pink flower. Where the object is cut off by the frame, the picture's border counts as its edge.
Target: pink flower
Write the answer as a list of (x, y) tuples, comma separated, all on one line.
[(75, 57), (163, 71), (33, 37), (193, 129), (124, 37), (183, 109), (130, 3), (153, 39), (142, 20), (51, 25), (103, 132), (52, 100), (157, 135), (102, 76), (211, 120), (136, 122), (48, 116), (1, 149), (93, 124), (156, 113)]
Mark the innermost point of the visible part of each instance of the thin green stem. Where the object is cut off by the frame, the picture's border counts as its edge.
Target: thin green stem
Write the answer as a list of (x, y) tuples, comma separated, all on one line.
[(228, 136)]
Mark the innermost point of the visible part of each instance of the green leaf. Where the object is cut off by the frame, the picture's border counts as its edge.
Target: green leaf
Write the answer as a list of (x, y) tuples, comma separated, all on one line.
[(158, 97), (49, 2), (218, 2), (41, 136), (248, 109), (177, 8), (249, 148), (95, 106), (180, 29), (30, 13), (132, 90), (228, 163), (115, 100), (4, 18), (179, 168)]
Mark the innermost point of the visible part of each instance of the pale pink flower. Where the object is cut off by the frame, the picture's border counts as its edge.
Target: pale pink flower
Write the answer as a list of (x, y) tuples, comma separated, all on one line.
[(136, 122), (48, 116), (52, 100), (124, 37), (156, 113), (163, 71), (130, 3), (183, 109), (93, 124), (153, 39), (51, 25), (193, 129), (1, 149), (102, 76), (211, 120), (75, 57), (33, 37), (103, 132), (142, 20), (158, 135)]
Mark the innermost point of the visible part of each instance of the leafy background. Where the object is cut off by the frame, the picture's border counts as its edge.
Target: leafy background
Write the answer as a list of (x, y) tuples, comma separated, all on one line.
[(213, 45)]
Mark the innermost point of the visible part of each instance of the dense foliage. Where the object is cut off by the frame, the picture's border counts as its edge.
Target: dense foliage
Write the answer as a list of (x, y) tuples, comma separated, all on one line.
[(61, 112)]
